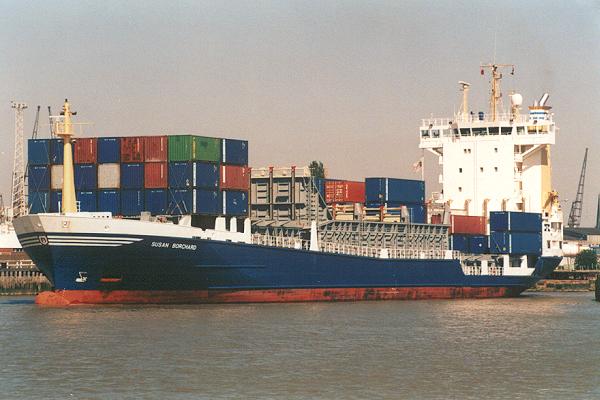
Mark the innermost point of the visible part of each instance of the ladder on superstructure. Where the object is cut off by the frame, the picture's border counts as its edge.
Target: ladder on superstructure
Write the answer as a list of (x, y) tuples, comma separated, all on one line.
[(577, 205)]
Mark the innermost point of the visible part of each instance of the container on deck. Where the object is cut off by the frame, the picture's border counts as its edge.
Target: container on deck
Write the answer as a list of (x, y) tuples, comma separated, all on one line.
[(38, 151), (235, 202), (132, 202), (87, 200), (85, 151), (156, 201), (86, 177), (383, 190), (478, 244), (38, 202), (235, 151), (234, 177), (56, 177), (55, 201), (459, 242), (155, 175), (38, 178), (181, 201), (57, 149), (109, 149), (344, 192), (155, 148), (132, 149), (206, 175), (468, 224), (514, 221), (194, 148), (207, 202), (516, 243), (109, 200), (109, 176), (132, 176)]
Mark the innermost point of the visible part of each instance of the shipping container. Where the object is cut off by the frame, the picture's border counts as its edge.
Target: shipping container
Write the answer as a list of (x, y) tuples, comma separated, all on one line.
[(206, 149), (516, 243), (156, 201), (132, 149), (38, 151), (181, 201), (38, 178), (132, 202), (235, 203), (132, 176), (181, 175), (109, 200), (87, 200), (85, 151), (55, 201), (208, 202), (57, 147), (468, 224), (155, 175), (180, 148), (155, 148), (109, 150), (436, 219), (38, 202), (86, 177), (234, 151), (56, 177), (206, 175), (514, 221), (478, 244), (383, 190), (417, 213), (109, 176), (234, 177), (459, 243), (344, 192)]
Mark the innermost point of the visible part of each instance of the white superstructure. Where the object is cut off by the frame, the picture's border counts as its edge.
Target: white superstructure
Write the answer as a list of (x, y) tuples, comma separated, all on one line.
[(497, 161)]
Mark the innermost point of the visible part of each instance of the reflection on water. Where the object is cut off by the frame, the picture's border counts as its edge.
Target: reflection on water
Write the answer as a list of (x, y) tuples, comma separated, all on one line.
[(538, 346)]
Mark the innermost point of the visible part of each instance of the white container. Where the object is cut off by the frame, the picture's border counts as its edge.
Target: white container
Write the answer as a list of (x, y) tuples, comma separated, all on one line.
[(56, 177), (109, 176)]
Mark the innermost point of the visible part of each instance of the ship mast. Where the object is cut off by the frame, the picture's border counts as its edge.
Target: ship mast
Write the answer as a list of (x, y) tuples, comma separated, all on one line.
[(496, 94), (64, 130)]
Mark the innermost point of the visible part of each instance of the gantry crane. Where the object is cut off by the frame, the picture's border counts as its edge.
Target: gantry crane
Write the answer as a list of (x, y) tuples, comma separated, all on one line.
[(577, 205)]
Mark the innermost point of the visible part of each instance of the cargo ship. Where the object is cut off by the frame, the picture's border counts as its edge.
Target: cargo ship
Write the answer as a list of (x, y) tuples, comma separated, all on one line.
[(493, 231)]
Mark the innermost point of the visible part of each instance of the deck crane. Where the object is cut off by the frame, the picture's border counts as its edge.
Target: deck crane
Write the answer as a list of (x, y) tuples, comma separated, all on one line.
[(577, 205), (18, 203)]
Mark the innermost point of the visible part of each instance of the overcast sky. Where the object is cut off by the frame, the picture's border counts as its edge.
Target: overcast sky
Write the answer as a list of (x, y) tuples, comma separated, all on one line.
[(345, 82)]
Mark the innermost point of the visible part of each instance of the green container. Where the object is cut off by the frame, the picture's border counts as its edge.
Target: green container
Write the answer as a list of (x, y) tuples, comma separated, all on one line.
[(180, 148), (206, 149)]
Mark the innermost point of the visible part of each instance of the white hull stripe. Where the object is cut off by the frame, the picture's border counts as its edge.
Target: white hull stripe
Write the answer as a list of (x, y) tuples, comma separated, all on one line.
[(87, 244), (88, 241), (94, 238)]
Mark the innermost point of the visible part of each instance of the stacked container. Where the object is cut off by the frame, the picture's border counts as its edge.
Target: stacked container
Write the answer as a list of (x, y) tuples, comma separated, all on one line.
[(109, 174), (234, 177), (38, 175), (515, 233), (469, 234), (395, 195)]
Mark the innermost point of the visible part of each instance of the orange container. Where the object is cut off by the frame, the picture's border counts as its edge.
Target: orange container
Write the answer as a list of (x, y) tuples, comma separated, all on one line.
[(155, 148), (85, 151), (234, 177), (132, 149), (469, 224), (344, 192), (155, 175)]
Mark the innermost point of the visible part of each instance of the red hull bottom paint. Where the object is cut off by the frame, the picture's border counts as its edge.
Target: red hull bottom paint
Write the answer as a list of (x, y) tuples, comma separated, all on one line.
[(74, 297)]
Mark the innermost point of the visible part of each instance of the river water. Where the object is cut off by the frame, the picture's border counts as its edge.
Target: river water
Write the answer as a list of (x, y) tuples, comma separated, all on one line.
[(538, 346)]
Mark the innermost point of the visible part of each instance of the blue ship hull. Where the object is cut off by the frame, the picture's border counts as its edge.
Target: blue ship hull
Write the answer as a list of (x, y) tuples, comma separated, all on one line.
[(155, 269)]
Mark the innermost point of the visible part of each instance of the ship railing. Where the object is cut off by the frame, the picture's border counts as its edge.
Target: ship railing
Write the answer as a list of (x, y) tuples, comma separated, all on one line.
[(477, 270), (475, 118)]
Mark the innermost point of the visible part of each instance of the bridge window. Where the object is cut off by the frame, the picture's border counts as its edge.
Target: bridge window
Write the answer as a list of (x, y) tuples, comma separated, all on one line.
[(506, 130), (493, 130), (460, 170), (465, 132), (479, 131), (424, 133)]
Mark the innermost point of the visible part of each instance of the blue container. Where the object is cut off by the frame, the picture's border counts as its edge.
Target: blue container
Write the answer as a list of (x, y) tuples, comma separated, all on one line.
[(86, 177), (478, 244), (503, 221), (208, 202), (206, 175), (234, 152), (55, 200), (38, 178), (459, 243), (181, 175), (38, 151), (132, 202), (132, 176), (235, 202), (384, 190), (87, 200), (109, 200), (38, 202), (516, 243), (109, 150), (417, 213), (180, 201), (156, 201), (57, 147)]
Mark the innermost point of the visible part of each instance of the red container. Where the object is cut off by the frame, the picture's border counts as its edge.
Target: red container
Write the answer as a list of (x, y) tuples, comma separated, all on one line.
[(234, 177), (436, 219), (469, 224), (155, 148), (155, 175), (85, 151), (344, 192), (132, 149)]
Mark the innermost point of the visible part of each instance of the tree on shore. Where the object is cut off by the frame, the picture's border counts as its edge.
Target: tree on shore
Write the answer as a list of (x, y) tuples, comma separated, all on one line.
[(586, 259)]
